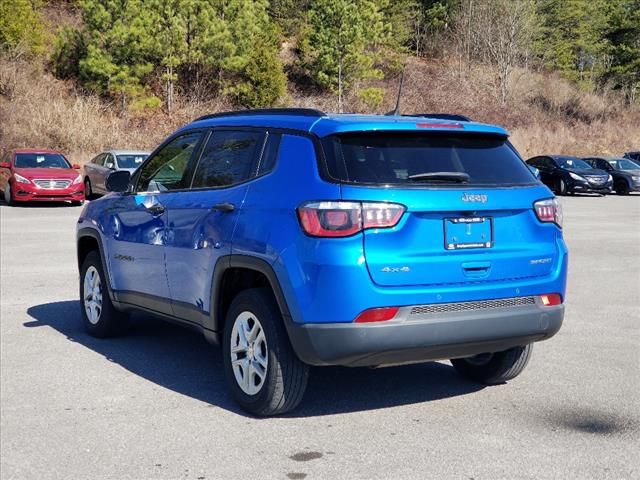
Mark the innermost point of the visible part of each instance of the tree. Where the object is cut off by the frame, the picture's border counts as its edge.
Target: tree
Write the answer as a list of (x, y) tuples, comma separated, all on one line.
[(342, 43), (119, 50), (253, 70), (570, 37), (622, 33), (499, 33), (21, 28), (170, 33)]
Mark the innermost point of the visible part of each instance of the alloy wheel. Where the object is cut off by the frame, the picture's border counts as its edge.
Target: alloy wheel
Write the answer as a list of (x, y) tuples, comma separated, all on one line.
[(249, 353), (92, 295)]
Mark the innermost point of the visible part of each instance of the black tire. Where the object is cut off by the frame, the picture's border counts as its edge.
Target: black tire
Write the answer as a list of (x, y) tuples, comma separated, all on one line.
[(622, 188), (494, 368), (6, 194), (77, 203), (286, 376), (110, 321), (88, 192), (561, 187)]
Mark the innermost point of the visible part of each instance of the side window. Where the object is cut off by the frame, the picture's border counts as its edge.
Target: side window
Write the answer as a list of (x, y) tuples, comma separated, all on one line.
[(108, 161), (167, 169), (229, 158), (270, 154), (99, 160)]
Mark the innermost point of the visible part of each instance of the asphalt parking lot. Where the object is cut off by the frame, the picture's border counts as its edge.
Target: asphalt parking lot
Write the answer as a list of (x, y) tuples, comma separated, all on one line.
[(153, 404)]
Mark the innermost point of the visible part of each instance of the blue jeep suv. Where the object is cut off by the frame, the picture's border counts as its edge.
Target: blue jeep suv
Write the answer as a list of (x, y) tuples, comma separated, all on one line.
[(292, 238)]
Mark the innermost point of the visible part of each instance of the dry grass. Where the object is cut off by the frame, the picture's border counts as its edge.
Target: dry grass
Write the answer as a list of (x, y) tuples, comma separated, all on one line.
[(545, 113), (40, 111)]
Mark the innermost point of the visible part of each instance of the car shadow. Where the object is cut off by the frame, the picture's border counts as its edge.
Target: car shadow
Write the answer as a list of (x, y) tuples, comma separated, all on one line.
[(38, 204), (181, 360)]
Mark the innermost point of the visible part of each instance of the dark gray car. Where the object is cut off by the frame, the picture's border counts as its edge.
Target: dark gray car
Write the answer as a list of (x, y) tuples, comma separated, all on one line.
[(99, 168)]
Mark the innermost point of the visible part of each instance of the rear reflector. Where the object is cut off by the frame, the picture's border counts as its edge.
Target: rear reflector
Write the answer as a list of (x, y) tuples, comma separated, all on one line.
[(551, 299), (377, 315)]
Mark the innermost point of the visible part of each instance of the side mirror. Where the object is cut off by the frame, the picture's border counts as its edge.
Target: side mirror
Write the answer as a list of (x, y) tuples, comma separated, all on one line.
[(118, 181), (5, 165), (75, 166)]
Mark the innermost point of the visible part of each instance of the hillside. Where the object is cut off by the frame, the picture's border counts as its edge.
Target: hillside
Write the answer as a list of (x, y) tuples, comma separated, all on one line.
[(547, 114), (47, 100)]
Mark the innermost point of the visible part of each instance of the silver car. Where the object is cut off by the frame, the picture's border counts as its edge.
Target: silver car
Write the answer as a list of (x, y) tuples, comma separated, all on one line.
[(99, 168)]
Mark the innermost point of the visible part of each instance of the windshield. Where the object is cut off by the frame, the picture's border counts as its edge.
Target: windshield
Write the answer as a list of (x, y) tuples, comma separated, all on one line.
[(131, 161), (573, 163), (41, 160), (424, 159), (624, 164)]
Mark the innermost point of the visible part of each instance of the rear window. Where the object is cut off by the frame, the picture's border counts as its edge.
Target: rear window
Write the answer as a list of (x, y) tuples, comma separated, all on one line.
[(131, 161), (424, 159), (40, 160)]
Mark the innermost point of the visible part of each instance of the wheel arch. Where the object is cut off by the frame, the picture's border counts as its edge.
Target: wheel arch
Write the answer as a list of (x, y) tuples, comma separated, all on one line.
[(234, 273), (89, 239)]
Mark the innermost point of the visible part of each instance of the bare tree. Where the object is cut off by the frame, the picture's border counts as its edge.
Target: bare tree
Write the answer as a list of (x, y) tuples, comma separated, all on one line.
[(498, 32)]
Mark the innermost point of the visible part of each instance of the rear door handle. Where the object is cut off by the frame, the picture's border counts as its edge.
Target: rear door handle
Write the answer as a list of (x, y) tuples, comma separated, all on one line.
[(224, 207)]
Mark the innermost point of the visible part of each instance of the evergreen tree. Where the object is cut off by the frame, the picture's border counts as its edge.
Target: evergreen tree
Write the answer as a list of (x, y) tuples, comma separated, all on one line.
[(570, 39), (21, 28), (622, 33), (119, 51), (343, 41)]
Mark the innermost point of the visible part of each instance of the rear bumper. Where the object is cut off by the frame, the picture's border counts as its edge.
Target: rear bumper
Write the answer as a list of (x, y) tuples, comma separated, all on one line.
[(424, 337)]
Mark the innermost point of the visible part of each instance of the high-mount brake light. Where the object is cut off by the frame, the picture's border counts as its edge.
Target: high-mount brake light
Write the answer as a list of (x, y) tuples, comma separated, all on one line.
[(439, 125), (549, 211), (551, 299), (377, 315), (342, 219)]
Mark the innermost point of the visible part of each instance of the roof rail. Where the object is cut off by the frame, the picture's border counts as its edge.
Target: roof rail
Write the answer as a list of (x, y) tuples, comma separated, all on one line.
[(301, 112), (441, 116)]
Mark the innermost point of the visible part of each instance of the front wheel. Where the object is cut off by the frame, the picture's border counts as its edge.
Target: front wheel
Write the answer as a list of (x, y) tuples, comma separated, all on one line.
[(87, 189), (261, 369), (8, 199), (100, 317), (622, 188), (561, 187), (494, 368)]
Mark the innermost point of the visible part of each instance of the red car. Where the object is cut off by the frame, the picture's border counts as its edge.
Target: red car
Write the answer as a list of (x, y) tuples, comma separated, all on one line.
[(41, 175)]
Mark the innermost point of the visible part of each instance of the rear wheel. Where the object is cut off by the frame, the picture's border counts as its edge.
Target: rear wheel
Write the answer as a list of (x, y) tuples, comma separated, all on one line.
[(494, 368), (622, 188), (262, 370), (100, 317)]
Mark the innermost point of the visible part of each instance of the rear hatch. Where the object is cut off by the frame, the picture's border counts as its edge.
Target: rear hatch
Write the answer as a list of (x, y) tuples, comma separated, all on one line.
[(469, 207)]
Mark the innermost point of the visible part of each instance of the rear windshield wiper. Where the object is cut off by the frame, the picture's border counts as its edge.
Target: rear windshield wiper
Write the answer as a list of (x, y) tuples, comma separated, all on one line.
[(456, 177)]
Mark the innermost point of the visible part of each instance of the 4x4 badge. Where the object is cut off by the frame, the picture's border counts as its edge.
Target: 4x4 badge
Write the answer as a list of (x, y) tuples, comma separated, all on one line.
[(472, 197)]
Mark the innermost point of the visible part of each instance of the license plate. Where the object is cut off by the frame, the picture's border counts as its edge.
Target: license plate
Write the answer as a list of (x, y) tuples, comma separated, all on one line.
[(468, 232)]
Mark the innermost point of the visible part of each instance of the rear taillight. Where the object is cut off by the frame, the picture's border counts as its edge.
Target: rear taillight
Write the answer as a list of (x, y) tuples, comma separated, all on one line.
[(342, 219), (549, 211), (377, 315), (551, 299)]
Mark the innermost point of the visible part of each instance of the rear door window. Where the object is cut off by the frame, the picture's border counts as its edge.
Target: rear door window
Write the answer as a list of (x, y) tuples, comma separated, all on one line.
[(229, 158), (424, 159)]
